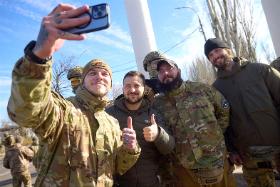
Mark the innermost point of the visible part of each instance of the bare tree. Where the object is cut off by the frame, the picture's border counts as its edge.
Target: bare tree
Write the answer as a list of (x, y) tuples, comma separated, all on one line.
[(232, 21), (60, 69), (201, 71)]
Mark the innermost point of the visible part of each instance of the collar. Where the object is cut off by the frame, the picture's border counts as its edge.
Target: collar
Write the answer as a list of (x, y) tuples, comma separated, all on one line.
[(89, 101), (177, 90), (238, 64), (120, 103)]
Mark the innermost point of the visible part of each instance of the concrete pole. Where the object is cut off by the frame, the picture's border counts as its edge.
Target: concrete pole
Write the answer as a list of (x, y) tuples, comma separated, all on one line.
[(141, 30), (272, 13)]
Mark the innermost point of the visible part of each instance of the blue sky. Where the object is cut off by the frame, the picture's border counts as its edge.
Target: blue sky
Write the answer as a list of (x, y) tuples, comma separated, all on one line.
[(20, 22)]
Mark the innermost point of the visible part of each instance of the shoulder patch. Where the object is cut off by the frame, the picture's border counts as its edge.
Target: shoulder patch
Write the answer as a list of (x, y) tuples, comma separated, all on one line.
[(225, 104)]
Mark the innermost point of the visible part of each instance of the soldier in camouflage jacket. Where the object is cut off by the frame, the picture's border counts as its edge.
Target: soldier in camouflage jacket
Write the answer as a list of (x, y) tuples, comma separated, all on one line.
[(198, 116), (17, 158), (84, 145)]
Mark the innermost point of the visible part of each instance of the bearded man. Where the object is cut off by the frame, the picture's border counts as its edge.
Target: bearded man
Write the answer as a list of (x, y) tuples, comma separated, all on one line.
[(134, 107), (252, 90), (198, 116)]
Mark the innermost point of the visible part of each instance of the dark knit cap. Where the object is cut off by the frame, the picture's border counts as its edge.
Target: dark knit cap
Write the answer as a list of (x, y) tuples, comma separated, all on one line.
[(213, 43)]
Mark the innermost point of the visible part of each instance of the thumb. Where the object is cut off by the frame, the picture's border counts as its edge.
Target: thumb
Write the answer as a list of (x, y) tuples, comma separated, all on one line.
[(153, 121), (129, 122)]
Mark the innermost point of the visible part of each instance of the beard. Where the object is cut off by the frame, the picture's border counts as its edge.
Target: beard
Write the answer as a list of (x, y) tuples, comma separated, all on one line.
[(226, 59), (138, 100), (176, 83)]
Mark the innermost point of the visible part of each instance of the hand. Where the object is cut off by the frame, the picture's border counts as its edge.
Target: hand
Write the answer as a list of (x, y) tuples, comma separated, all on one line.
[(51, 36), (129, 135), (235, 158), (151, 132)]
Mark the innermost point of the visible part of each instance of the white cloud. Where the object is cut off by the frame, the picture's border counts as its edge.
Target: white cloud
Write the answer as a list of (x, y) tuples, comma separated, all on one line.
[(3, 110), (42, 4), (4, 103), (116, 31), (110, 42), (34, 16), (5, 81)]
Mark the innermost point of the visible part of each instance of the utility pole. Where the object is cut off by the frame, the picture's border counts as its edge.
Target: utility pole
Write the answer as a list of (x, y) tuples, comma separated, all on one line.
[(141, 30), (199, 20), (201, 29)]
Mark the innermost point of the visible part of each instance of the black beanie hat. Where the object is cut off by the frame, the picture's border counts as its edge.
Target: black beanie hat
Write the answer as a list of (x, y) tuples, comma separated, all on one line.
[(213, 43)]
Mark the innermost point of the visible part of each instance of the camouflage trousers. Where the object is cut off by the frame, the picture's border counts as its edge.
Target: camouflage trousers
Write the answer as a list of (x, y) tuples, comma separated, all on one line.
[(22, 177), (184, 178), (258, 173)]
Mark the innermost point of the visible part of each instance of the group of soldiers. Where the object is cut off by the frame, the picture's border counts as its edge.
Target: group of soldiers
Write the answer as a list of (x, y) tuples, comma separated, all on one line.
[(17, 158), (161, 131)]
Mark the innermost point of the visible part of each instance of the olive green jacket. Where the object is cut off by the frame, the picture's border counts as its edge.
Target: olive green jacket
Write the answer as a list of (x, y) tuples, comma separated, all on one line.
[(84, 147), (144, 172), (253, 92), (198, 115)]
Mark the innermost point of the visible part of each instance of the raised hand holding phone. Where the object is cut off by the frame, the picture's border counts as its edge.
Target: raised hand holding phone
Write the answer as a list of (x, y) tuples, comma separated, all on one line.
[(129, 135), (99, 19), (66, 22), (151, 132)]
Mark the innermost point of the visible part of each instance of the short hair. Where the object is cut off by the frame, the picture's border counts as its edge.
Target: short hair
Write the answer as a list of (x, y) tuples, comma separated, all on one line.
[(135, 73)]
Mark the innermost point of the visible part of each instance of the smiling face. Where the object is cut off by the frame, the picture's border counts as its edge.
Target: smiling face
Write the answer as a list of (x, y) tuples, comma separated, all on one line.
[(220, 58), (133, 89), (98, 82)]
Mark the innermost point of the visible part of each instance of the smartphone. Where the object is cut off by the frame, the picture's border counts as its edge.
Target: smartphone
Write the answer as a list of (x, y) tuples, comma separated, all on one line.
[(99, 20)]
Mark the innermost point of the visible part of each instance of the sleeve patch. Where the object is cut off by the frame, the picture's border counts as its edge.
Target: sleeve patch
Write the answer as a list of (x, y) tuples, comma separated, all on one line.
[(225, 104)]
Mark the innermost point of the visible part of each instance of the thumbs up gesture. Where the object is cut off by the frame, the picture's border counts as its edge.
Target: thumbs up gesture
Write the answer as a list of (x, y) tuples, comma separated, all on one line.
[(129, 135), (151, 132)]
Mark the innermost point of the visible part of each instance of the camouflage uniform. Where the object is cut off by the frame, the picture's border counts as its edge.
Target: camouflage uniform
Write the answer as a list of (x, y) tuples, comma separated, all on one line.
[(151, 66), (84, 147), (197, 115), (152, 84), (17, 159), (35, 145), (75, 76)]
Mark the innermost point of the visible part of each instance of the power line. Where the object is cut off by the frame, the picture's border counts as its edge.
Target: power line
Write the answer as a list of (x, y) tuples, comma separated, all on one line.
[(123, 63), (128, 68), (169, 49), (180, 42)]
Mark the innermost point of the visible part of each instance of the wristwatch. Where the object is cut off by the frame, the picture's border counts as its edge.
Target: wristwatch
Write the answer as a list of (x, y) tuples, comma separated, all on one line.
[(29, 53)]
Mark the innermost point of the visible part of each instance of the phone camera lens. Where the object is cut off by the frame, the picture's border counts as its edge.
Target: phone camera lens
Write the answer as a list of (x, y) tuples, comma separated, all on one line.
[(100, 14)]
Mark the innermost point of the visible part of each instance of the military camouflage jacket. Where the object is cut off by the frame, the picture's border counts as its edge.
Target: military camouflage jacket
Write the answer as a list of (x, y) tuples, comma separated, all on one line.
[(84, 144), (17, 158), (197, 115)]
